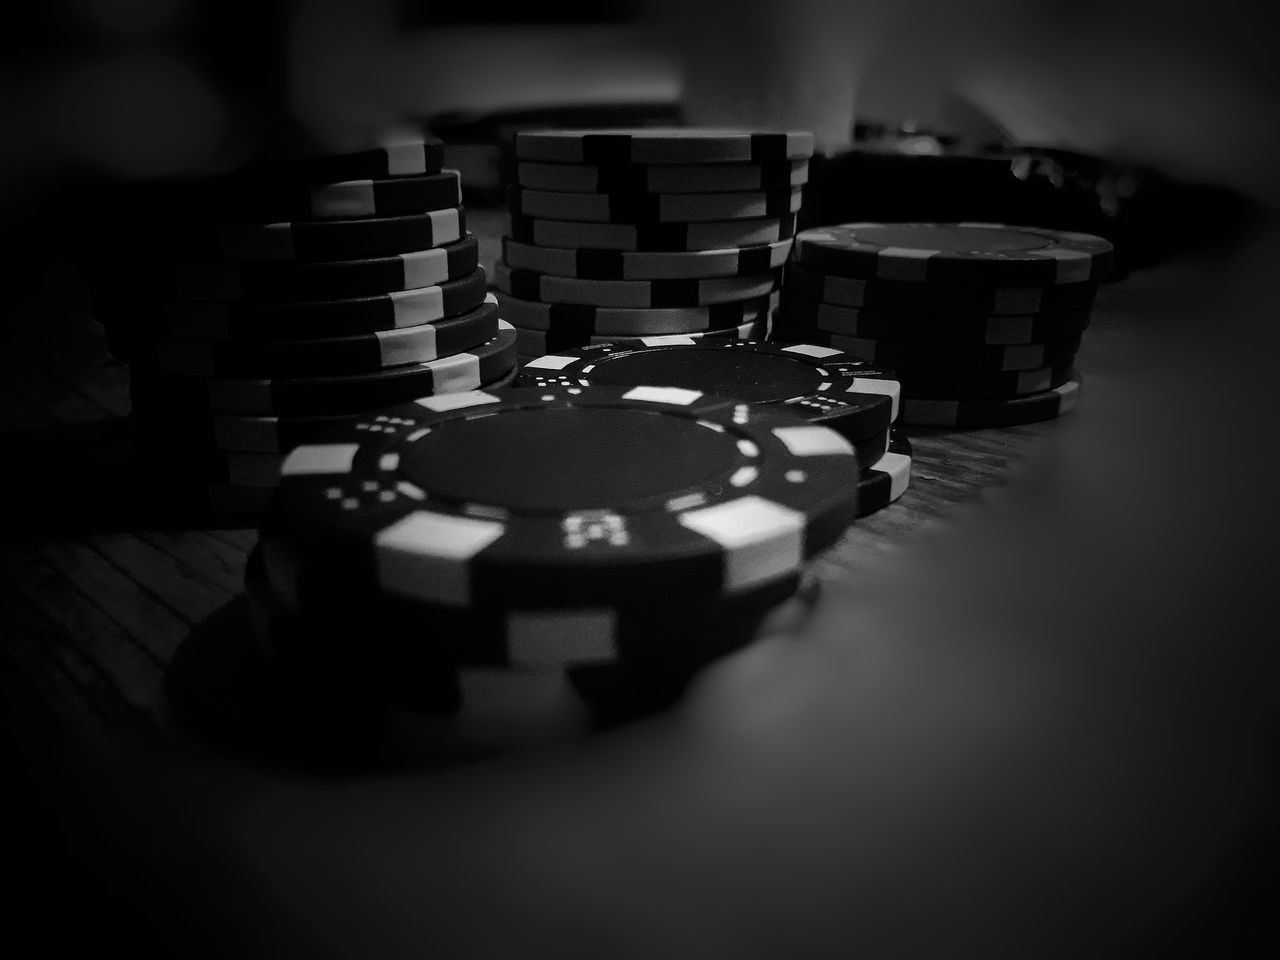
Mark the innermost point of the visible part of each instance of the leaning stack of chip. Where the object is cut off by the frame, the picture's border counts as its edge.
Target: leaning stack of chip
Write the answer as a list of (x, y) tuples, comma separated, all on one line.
[(980, 322), (618, 235), (256, 309), (494, 568)]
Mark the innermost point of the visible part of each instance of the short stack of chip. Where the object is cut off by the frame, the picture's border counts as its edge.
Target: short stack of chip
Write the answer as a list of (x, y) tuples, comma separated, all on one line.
[(521, 565), (819, 384), (256, 309), (618, 235), (980, 322)]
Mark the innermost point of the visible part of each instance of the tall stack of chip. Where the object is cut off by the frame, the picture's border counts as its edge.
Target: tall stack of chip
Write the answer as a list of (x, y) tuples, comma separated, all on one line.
[(981, 322), (618, 235), (526, 564), (256, 309)]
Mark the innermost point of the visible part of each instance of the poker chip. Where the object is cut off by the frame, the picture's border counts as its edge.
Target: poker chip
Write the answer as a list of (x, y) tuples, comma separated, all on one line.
[(652, 237), (363, 352), (620, 265), (317, 239), (354, 662), (658, 145), (263, 434), (975, 253), (941, 358), (345, 394), (291, 280), (946, 298), (1030, 408), (567, 497), (257, 197), (630, 322), (396, 635), (887, 479), (797, 314), (818, 384), (405, 153), (538, 343), (653, 207), (310, 319), (663, 178), (983, 386), (634, 294)]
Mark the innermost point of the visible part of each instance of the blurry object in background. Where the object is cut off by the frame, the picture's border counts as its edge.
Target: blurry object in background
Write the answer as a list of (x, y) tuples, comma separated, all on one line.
[(934, 175)]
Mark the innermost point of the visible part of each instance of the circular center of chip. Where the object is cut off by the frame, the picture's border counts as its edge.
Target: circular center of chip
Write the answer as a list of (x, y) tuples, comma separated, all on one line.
[(562, 459), (733, 372), (950, 238)]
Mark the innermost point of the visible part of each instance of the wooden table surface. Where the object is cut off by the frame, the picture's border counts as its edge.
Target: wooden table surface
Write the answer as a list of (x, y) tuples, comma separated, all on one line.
[(99, 593)]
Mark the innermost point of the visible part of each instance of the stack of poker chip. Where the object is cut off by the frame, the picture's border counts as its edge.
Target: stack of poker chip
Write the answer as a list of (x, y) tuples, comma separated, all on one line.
[(980, 322), (255, 310), (486, 569), (618, 235), (819, 384)]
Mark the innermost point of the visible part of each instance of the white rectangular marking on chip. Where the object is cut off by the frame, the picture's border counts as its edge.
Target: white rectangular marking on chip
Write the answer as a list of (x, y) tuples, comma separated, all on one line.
[(264, 241), (457, 373), (424, 555), (550, 362), (446, 226), (889, 388), (556, 637), (898, 466), (813, 441), (667, 340), (424, 268), (763, 540), (394, 348), (673, 395), (445, 402), (318, 459), (405, 158), (811, 350), (1072, 265), (412, 307), (351, 198)]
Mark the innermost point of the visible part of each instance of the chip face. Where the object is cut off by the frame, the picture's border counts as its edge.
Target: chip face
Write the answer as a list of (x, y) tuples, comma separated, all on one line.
[(973, 253), (817, 383), (565, 496)]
